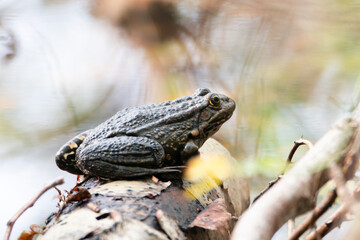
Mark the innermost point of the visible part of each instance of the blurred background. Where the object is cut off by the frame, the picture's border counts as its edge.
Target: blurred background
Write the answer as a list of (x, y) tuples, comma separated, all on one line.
[(65, 66)]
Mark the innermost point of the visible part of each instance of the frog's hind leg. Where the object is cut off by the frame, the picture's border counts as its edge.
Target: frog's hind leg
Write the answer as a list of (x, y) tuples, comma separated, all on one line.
[(112, 171), (65, 157), (123, 157)]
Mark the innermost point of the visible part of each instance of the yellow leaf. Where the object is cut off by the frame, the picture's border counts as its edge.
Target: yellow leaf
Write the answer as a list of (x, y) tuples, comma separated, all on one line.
[(206, 172)]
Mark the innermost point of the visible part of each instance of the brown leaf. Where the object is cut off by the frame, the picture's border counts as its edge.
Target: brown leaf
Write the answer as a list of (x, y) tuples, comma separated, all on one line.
[(213, 217), (27, 235), (78, 194)]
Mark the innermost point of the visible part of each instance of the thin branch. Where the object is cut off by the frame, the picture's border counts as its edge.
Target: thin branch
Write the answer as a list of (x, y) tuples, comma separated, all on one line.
[(31, 203), (296, 192), (337, 175), (337, 218), (270, 184), (297, 144), (291, 226), (316, 213)]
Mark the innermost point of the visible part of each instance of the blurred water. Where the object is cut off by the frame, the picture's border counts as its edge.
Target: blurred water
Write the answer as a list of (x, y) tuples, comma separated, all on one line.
[(70, 71)]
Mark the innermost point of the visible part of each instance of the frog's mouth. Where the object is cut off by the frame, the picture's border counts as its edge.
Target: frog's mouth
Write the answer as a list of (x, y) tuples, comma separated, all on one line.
[(214, 123), (213, 127)]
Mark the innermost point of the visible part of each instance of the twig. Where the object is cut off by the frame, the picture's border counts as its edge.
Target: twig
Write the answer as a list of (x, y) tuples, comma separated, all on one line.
[(337, 218), (291, 226), (295, 193), (270, 184), (337, 175), (31, 203), (297, 144), (316, 213)]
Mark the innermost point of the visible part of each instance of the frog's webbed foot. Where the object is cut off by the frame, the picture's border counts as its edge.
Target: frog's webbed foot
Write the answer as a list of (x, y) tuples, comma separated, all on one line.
[(174, 174), (179, 168)]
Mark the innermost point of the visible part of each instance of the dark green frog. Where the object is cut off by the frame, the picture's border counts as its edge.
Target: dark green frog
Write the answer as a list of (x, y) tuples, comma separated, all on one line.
[(148, 140)]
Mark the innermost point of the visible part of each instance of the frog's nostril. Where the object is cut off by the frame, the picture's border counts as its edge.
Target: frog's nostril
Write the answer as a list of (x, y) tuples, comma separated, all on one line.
[(228, 99)]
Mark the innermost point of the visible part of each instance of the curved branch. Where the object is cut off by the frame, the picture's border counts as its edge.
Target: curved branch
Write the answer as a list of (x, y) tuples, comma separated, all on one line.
[(295, 193), (31, 203), (316, 213)]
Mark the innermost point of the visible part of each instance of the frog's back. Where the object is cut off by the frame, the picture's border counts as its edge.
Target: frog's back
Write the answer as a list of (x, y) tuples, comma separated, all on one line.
[(129, 120)]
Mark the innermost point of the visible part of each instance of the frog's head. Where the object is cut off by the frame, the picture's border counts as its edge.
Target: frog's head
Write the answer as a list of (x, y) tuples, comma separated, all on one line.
[(217, 109)]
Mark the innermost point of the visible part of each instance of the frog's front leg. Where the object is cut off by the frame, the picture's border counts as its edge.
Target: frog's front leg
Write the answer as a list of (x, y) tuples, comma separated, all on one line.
[(190, 150), (123, 157)]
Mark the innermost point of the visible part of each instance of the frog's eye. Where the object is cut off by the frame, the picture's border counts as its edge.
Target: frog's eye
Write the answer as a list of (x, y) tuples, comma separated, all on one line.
[(214, 100)]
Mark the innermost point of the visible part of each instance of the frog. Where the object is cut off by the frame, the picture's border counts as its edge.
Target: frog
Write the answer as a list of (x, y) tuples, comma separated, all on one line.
[(148, 140)]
